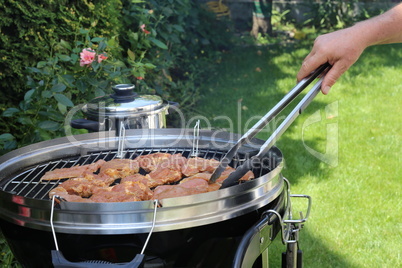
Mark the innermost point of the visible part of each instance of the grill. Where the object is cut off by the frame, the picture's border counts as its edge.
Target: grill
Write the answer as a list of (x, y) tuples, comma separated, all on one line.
[(28, 184), (116, 232)]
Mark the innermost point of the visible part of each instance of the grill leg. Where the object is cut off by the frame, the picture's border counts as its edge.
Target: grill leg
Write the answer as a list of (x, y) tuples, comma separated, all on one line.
[(265, 259), (293, 257)]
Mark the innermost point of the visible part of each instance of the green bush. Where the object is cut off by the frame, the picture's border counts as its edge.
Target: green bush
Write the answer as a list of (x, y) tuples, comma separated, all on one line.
[(164, 47), (331, 15), (29, 30), (194, 40)]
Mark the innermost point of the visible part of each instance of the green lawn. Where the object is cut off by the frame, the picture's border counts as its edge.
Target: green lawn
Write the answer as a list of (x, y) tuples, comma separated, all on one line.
[(356, 214)]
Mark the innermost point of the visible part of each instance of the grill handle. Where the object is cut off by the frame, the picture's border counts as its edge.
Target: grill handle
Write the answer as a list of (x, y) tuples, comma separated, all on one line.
[(59, 261), (256, 240)]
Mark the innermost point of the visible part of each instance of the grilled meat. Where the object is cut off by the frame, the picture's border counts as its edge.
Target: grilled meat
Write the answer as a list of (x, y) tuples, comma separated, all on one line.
[(197, 164), (195, 186), (72, 172), (119, 168), (119, 180), (124, 192)]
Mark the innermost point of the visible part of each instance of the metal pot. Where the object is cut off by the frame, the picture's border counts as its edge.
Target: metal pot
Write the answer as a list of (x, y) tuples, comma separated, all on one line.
[(125, 107)]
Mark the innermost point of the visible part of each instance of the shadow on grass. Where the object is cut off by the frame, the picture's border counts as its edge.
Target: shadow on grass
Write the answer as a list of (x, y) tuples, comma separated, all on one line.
[(315, 252)]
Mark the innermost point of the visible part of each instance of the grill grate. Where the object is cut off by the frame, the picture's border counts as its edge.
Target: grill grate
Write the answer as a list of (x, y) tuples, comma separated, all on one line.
[(28, 184)]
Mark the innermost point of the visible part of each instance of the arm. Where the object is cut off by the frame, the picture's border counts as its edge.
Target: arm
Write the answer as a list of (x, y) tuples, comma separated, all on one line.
[(343, 48)]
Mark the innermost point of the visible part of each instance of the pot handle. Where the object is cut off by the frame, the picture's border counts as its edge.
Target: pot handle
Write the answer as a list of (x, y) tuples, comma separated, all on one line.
[(173, 106), (59, 261), (85, 124)]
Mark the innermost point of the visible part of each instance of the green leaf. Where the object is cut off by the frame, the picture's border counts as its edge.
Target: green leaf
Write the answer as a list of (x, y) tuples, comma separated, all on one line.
[(33, 70), (64, 100), (25, 120), (115, 75), (118, 63), (149, 65), (84, 31), (81, 86), (103, 84), (65, 44), (28, 95), (134, 36), (58, 87), (92, 81), (178, 28), (74, 58), (130, 54), (10, 112), (10, 145), (112, 42), (99, 92), (47, 94), (6, 137), (158, 43), (41, 64), (44, 134), (97, 39), (68, 79), (102, 46), (77, 49), (48, 125), (95, 65), (62, 108), (64, 57)]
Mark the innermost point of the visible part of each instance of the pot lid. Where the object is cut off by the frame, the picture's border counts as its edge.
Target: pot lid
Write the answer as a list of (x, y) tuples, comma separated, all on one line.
[(123, 102)]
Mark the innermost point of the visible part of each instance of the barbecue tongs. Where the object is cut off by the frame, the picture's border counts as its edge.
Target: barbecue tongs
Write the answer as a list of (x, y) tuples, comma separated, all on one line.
[(289, 97)]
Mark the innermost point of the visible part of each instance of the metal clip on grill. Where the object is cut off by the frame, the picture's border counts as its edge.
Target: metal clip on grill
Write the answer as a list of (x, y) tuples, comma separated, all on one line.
[(59, 261)]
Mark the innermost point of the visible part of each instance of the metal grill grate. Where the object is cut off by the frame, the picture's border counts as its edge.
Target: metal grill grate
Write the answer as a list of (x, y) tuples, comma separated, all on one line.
[(28, 184)]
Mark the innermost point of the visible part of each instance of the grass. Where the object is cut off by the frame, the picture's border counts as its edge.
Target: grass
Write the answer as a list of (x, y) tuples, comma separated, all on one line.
[(355, 218)]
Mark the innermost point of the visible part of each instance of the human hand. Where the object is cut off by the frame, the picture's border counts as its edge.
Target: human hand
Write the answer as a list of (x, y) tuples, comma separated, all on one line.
[(341, 49)]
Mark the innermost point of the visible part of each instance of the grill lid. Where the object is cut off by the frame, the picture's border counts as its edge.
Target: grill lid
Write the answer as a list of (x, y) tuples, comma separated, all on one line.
[(124, 102)]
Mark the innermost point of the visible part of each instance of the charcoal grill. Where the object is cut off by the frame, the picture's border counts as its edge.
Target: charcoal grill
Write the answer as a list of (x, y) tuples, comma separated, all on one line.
[(116, 232)]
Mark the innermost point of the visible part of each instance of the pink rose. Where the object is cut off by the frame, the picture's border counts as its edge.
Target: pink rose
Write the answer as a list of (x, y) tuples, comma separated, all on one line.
[(143, 29), (87, 56), (101, 57), (140, 78)]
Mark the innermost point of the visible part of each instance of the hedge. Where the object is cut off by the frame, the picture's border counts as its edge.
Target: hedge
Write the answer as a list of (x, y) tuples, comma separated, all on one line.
[(29, 30), (164, 47)]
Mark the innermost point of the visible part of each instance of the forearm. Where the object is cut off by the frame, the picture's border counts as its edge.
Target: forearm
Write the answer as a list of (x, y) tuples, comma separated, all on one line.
[(383, 29), (343, 48)]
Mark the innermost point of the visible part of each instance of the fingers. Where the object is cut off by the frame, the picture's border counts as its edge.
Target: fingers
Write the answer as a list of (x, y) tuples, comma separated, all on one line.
[(310, 64), (338, 68)]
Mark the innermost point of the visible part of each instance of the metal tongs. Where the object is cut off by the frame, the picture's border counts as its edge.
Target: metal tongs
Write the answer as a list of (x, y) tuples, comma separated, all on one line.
[(289, 97)]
